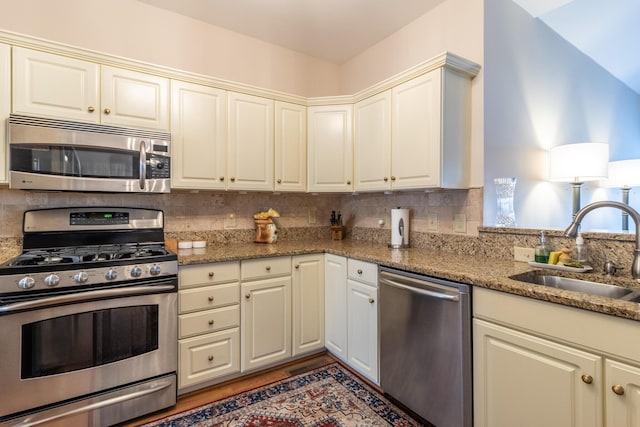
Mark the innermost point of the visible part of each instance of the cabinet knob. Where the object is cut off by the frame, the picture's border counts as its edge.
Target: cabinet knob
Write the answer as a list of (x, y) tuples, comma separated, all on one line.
[(210, 357), (210, 322), (359, 272), (297, 266), (221, 178), (232, 179), (618, 389), (393, 178), (107, 111), (587, 379), (279, 181), (349, 182), (210, 298), (385, 179), (91, 109), (268, 267), (371, 300), (247, 296), (211, 274)]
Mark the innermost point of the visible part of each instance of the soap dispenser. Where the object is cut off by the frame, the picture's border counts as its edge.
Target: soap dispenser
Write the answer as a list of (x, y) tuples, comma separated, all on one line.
[(581, 250), (542, 250)]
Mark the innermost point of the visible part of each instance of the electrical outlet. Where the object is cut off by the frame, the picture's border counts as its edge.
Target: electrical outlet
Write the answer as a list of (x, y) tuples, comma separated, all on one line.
[(313, 215), (230, 221), (432, 222), (460, 223), (523, 254)]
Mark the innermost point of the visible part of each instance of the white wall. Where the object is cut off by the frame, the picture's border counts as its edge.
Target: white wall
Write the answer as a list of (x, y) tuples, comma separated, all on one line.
[(540, 92), (136, 30)]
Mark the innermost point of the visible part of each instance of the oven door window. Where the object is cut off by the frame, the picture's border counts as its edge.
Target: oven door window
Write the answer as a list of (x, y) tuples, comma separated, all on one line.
[(76, 161), (84, 340)]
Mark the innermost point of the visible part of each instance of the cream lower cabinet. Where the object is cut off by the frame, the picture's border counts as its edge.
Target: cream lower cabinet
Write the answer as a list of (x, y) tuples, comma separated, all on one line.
[(335, 302), (307, 303), (265, 311), (543, 364), (208, 322), (5, 107), (199, 136)]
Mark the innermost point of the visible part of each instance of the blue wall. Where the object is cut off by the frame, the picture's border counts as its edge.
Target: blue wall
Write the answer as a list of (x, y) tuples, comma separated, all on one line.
[(540, 91)]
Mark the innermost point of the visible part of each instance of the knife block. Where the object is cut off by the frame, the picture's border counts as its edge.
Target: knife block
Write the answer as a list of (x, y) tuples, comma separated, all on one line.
[(337, 232)]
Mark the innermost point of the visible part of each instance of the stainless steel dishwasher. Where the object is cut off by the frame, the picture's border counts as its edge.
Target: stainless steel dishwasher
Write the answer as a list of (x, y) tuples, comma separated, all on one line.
[(425, 346)]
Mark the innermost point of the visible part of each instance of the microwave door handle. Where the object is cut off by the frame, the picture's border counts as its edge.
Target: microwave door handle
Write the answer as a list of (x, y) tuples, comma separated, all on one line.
[(143, 164)]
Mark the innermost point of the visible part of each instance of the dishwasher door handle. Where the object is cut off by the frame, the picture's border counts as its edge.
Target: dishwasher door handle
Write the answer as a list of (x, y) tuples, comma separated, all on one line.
[(424, 292)]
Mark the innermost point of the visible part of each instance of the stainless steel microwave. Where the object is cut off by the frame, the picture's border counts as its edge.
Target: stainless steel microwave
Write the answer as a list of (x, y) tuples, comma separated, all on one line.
[(58, 155)]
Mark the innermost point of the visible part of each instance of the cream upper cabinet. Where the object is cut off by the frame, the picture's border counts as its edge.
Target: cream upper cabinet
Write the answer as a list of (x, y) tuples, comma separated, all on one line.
[(330, 145), (622, 394), (430, 125), (527, 381), (5, 106), (130, 98), (307, 303), (55, 86), (61, 87), (199, 136), (250, 142), (372, 143), (290, 158)]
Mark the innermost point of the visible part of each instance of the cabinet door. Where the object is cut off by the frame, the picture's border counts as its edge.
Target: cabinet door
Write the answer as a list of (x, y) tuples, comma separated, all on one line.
[(130, 98), (372, 143), (330, 160), (250, 142), (335, 302), (362, 326), (308, 303), (5, 106), (199, 136), (55, 86), (290, 147), (265, 322), (622, 391), (521, 380), (416, 124)]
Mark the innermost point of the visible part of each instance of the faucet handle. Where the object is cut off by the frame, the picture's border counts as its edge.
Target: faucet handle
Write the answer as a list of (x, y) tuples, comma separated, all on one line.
[(610, 268)]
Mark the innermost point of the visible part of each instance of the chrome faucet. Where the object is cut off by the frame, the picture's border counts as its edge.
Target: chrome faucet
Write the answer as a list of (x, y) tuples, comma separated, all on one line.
[(572, 230)]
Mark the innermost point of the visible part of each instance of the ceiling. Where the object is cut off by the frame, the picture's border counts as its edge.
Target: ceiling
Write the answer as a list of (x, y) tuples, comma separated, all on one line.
[(338, 30)]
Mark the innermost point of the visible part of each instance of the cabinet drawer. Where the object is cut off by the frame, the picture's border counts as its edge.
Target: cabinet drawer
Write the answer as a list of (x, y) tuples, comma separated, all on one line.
[(265, 267), (208, 274), (203, 322), (208, 357), (362, 271), (208, 297)]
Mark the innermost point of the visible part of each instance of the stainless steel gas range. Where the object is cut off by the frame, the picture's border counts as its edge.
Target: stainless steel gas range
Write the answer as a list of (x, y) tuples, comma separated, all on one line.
[(88, 318)]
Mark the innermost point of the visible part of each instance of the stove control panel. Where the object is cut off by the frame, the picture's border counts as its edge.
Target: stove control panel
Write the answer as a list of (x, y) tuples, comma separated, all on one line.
[(88, 276)]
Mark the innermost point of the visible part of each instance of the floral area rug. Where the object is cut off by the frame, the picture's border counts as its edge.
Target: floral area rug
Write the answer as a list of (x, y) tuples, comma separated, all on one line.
[(326, 397)]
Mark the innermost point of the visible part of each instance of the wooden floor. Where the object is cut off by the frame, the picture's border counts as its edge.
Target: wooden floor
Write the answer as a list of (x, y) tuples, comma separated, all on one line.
[(223, 390)]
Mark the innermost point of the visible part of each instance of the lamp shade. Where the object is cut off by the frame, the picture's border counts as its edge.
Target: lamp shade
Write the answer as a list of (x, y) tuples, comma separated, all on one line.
[(581, 162), (624, 173)]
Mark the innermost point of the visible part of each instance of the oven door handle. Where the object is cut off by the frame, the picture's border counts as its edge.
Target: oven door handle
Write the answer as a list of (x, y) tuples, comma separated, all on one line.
[(153, 388), (85, 296)]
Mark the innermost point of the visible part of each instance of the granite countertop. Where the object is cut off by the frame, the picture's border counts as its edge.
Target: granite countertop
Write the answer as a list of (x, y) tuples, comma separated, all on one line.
[(475, 271)]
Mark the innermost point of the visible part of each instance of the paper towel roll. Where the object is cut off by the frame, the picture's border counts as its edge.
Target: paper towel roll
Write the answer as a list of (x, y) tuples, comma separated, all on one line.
[(399, 228)]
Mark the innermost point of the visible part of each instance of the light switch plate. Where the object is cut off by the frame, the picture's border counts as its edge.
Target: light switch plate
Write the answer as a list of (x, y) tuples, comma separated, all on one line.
[(460, 223), (523, 254), (432, 222)]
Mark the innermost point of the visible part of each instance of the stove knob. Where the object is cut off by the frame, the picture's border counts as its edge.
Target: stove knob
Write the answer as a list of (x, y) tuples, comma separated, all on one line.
[(52, 280), (155, 270), (80, 277), (136, 272), (111, 274), (27, 282)]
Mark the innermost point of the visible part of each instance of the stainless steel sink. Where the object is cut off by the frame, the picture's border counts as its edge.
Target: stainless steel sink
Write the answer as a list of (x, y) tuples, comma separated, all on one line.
[(577, 285)]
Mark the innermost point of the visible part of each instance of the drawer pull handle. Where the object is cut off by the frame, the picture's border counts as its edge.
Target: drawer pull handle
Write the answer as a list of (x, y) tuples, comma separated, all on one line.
[(211, 273), (393, 178), (297, 266), (210, 299), (359, 271), (587, 379), (210, 322), (385, 179), (107, 111), (618, 389), (221, 178), (371, 300), (210, 358), (91, 109), (268, 268), (247, 296)]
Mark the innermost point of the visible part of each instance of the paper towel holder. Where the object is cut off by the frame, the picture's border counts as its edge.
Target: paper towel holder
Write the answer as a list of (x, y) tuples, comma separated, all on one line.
[(402, 232)]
